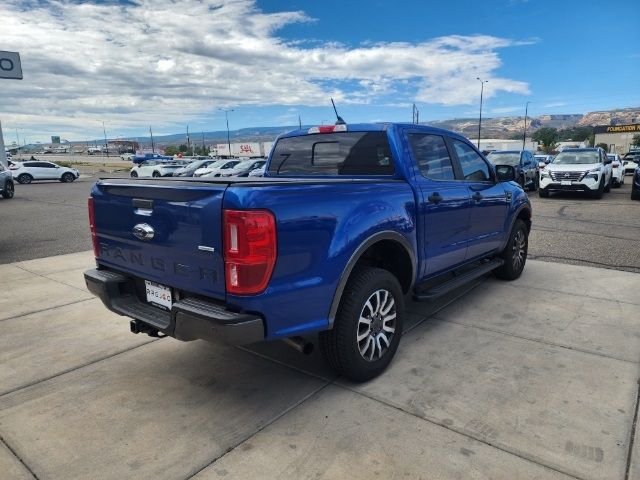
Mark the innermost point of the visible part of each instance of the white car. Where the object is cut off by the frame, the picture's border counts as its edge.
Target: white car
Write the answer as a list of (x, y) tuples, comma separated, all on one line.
[(155, 168), (215, 169), (630, 162), (617, 169), (127, 156), (27, 172), (578, 170), (258, 172), (243, 168)]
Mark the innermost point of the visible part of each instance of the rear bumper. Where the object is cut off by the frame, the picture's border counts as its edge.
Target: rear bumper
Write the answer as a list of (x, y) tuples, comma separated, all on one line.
[(189, 319)]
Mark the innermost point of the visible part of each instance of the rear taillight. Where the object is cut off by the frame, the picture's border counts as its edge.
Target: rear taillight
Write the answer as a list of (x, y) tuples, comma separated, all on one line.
[(249, 250), (92, 227)]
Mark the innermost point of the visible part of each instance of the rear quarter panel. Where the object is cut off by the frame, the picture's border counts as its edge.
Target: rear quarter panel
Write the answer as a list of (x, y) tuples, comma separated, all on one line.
[(319, 227)]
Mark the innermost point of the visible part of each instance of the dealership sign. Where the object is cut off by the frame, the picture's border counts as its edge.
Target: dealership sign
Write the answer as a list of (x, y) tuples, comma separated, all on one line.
[(10, 66), (634, 127)]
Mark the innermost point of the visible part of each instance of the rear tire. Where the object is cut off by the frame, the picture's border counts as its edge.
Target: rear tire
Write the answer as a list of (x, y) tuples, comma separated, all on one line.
[(535, 184), (155, 174), (515, 253), (607, 188), (8, 191), (368, 325)]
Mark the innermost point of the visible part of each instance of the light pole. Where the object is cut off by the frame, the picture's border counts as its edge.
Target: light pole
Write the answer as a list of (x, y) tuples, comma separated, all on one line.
[(482, 82), (524, 133), (106, 145), (226, 114)]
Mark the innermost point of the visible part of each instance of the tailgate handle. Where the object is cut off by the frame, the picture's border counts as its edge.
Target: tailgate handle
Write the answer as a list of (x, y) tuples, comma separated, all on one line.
[(143, 203)]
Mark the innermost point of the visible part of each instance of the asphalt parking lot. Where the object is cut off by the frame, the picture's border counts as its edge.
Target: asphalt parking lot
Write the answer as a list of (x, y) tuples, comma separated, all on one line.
[(50, 218)]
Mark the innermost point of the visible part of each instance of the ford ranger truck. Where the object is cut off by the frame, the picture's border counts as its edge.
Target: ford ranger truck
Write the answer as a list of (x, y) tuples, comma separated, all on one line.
[(348, 220)]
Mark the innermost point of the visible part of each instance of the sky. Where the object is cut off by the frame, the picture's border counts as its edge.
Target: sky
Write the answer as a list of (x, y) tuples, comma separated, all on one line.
[(171, 64)]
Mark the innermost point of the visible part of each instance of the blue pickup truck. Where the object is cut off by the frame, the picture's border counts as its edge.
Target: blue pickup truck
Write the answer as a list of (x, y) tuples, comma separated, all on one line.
[(348, 220)]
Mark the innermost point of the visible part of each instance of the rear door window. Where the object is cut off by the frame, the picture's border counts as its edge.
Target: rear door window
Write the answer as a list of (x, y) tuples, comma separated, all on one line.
[(432, 156), (342, 153)]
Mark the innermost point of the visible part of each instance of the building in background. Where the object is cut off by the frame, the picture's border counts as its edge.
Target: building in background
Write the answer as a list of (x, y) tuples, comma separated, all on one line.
[(619, 138)]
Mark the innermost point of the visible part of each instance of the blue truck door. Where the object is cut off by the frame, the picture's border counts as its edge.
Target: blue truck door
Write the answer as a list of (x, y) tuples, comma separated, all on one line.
[(488, 200), (443, 204)]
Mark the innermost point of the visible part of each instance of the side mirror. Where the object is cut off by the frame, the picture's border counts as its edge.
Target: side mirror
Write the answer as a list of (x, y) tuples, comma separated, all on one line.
[(506, 173), (625, 162), (608, 161), (547, 161)]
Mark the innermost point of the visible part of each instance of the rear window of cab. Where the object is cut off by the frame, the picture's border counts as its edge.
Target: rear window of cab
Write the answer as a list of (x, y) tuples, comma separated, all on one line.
[(340, 153)]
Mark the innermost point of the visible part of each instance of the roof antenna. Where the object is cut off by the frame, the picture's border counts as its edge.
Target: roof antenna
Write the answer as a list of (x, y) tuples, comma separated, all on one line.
[(339, 120)]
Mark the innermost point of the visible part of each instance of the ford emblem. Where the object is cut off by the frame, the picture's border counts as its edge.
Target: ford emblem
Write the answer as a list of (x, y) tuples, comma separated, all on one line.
[(144, 231)]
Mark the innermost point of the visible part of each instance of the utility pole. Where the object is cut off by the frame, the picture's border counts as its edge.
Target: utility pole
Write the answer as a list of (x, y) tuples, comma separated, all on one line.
[(106, 145), (153, 148), (482, 82), (299, 122), (203, 147), (226, 114), (524, 133), (188, 141)]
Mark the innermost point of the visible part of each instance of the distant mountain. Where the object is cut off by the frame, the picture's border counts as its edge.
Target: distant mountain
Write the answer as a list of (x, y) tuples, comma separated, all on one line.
[(251, 134), (499, 127), (505, 127)]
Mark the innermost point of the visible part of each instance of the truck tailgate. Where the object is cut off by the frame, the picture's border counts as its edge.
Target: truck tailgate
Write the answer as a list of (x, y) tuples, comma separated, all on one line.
[(185, 251)]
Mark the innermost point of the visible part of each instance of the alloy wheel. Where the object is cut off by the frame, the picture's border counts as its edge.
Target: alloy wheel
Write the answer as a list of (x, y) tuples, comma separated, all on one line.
[(519, 250), (376, 325)]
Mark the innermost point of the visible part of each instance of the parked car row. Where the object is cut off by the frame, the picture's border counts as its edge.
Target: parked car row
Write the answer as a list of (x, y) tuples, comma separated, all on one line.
[(200, 168)]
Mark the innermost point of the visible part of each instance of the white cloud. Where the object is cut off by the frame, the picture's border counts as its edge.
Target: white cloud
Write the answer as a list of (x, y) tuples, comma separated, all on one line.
[(160, 62)]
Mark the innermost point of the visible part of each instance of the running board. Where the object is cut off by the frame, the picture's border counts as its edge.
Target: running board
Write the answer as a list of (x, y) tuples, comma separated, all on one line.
[(458, 281)]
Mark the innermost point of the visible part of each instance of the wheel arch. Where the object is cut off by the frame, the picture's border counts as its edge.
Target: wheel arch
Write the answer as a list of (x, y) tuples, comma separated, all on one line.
[(402, 263)]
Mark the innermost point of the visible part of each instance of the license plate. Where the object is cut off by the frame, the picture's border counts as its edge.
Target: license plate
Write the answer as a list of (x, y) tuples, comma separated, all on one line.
[(158, 295), (565, 183)]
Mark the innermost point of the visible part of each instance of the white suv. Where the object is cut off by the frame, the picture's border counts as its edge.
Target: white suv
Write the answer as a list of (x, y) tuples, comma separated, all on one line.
[(155, 168), (27, 172), (578, 170)]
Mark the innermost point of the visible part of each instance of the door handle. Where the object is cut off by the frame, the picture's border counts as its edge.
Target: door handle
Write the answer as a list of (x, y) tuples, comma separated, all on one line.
[(435, 197), (477, 196)]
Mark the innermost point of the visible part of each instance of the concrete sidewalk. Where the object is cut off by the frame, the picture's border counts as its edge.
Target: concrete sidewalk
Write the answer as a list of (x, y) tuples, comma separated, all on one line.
[(536, 378)]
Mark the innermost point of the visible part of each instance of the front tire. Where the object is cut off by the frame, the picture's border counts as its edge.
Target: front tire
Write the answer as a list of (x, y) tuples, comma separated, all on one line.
[(8, 191), (598, 193), (68, 177), (25, 178), (515, 253), (542, 193), (368, 325), (155, 174), (607, 189), (134, 174)]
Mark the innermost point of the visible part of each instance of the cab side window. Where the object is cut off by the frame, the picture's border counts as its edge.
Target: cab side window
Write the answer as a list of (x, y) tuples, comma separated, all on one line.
[(432, 156), (474, 168)]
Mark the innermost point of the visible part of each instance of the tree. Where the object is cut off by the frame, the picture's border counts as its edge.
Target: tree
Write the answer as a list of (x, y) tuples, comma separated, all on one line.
[(636, 140), (603, 146), (548, 137), (170, 150)]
